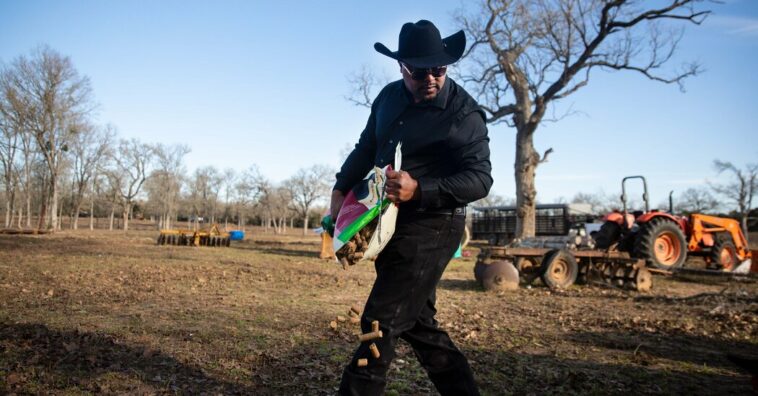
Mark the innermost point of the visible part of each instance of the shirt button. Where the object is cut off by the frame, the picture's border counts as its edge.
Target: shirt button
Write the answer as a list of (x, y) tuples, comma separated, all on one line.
[(391, 141), (400, 123)]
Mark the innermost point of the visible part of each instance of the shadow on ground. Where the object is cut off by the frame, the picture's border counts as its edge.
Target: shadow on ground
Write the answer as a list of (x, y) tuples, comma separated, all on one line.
[(458, 284), (37, 357), (647, 348)]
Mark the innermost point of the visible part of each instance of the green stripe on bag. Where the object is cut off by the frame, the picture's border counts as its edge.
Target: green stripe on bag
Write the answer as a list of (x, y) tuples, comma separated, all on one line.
[(362, 221)]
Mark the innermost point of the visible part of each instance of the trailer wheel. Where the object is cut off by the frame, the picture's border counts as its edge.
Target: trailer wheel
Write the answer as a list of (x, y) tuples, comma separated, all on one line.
[(528, 268), (559, 269), (661, 243), (643, 280), (500, 275), (724, 253)]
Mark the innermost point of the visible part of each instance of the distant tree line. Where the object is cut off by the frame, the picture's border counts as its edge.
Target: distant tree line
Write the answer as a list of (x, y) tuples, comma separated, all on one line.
[(57, 163)]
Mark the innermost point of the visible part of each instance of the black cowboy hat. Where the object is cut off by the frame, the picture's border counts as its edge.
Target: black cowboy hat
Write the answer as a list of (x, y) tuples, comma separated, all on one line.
[(421, 45)]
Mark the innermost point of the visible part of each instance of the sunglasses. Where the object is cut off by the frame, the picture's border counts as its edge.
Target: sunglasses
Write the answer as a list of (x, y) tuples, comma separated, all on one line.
[(420, 74)]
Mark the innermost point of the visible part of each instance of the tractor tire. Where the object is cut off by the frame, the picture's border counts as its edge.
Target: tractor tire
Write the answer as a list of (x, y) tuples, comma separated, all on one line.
[(528, 268), (559, 269), (724, 254), (661, 243), (500, 275)]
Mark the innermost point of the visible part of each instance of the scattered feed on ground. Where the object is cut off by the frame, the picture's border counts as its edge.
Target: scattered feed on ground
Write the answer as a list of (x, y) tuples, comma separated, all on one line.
[(84, 312)]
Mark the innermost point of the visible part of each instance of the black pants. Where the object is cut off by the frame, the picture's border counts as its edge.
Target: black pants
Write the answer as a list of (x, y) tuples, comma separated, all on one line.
[(402, 300)]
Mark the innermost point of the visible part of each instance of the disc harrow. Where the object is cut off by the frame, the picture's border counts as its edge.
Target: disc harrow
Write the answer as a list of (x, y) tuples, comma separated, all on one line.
[(561, 268), (212, 237)]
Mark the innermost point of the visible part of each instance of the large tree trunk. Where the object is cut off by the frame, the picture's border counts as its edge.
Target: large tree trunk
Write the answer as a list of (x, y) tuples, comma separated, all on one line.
[(305, 224), (42, 214), (54, 203), (526, 192), (92, 214), (28, 208), (127, 209), (75, 226), (113, 212), (59, 226)]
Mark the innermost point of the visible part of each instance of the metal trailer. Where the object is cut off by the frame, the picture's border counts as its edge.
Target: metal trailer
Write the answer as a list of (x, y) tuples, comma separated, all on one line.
[(560, 268), (497, 224)]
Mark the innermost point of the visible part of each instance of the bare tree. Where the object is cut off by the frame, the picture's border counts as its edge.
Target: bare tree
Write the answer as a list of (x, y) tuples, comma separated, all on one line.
[(248, 190), (740, 190), (528, 53), (307, 187), (9, 137), (48, 97), (601, 202), (696, 200), (364, 84), (165, 181), (228, 182), (132, 161), (274, 205), (204, 190), (89, 148)]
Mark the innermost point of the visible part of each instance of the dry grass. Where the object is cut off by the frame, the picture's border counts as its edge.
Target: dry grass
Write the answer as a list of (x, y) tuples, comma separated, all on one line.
[(113, 313)]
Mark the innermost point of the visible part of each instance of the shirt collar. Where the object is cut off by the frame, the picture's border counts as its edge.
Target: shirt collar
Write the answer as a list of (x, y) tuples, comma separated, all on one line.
[(440, 101)]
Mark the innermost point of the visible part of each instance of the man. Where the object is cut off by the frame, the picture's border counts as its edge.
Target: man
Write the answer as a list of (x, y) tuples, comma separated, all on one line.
[(445, 166)]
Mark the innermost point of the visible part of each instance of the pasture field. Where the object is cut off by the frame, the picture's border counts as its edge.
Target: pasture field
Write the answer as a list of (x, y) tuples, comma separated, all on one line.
[(107, 312)]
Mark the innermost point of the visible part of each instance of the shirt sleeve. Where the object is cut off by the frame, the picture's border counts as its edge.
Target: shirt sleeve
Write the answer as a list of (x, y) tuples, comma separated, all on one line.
[(361, 159), (473, 180)]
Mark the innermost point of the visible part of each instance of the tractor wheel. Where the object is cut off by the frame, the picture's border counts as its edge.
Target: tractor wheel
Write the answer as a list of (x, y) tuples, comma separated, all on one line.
[(559, 269), (528, 269), (500, 275), (661, 243), (724, 254)]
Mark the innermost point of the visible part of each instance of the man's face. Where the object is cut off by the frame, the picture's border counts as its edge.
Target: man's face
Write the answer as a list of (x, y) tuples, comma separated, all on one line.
[(428, 87)]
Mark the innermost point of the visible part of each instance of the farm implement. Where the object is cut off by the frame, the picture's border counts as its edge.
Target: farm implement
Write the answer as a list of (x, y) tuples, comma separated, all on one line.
[(202, 237), (560, 262)]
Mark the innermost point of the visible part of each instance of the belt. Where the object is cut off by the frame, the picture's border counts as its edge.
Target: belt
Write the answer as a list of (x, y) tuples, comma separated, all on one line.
[(460, 211)]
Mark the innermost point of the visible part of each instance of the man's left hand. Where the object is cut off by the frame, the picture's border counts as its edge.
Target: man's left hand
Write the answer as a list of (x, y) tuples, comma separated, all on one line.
[(400, 186)]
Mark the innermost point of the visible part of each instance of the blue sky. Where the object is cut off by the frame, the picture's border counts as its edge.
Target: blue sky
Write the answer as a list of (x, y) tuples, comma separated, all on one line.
[(254, 82)]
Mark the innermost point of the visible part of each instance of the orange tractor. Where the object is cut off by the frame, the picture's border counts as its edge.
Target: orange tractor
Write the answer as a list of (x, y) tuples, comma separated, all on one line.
[(664, 240)]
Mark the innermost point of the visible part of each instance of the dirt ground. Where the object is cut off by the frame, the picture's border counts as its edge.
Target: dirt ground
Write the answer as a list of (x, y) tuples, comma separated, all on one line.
[(107, 312)]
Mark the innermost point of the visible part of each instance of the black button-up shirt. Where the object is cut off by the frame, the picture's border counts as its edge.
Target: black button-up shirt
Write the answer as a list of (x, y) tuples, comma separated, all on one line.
[(445, 145)]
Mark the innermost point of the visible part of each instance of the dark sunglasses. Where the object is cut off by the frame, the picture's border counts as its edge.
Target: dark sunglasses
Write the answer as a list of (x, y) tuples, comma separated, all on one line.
[(420, 74)]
